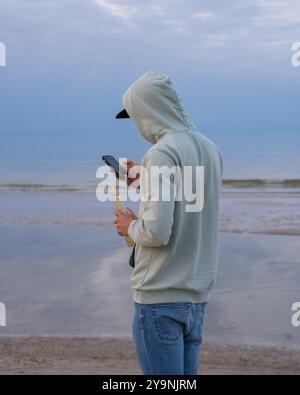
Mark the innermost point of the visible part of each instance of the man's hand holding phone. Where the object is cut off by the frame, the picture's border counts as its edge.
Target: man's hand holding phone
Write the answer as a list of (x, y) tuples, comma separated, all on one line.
[(129, 170), (133, 173)]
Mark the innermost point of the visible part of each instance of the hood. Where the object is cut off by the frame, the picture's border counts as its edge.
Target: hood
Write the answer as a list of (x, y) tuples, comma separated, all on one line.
[(154, 106)]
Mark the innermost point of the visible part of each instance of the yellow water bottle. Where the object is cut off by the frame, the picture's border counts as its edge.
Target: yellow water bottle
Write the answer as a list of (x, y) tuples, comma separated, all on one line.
[(128, 240)]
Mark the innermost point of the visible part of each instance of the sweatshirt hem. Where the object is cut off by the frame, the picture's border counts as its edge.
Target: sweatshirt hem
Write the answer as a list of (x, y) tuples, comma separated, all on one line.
[(169, 296)]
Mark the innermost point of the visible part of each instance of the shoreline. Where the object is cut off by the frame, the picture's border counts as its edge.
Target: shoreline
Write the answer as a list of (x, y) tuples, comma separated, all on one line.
[(115, 355), (267, 185)]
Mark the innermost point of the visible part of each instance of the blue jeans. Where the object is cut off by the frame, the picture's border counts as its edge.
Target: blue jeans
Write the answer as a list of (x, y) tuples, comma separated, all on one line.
[(168, 337)]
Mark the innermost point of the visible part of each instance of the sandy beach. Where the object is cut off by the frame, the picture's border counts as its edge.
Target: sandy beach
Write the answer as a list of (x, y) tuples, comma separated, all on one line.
[(73, 311), (115, 355)]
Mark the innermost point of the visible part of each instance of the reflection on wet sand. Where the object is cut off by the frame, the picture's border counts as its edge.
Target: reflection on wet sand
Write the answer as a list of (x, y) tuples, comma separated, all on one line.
[(76, 282)]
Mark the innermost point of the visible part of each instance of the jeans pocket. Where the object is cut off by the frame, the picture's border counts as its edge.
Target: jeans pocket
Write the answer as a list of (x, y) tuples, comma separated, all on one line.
[(168, 321), (197, 324)]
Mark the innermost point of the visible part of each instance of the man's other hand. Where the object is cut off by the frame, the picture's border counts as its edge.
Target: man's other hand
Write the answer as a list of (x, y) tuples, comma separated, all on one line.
[(123, 220)]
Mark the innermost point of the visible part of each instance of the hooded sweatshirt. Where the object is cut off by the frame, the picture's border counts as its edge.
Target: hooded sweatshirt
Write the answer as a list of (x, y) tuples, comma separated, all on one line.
[(176, 249)]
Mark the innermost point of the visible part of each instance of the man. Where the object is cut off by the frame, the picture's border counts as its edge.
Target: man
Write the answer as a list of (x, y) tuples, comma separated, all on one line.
[(176, 249)]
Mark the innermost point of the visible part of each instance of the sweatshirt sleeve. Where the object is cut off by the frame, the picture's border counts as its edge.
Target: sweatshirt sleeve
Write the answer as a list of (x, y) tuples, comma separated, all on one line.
[(153, 228)]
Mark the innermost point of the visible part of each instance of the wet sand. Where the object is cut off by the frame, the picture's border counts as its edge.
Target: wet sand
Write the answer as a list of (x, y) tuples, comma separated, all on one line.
[(61, 281), (113, 356), (246, 207)]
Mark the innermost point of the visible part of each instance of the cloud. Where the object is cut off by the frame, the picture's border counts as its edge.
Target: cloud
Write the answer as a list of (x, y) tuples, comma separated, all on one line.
[(132, 9), (121, 11), (128, 11), (158, 32), (204, 15), (277, 13), (210, 31)]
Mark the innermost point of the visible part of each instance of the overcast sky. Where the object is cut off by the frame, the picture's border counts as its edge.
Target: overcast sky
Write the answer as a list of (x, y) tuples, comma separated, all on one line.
[(69, 62)]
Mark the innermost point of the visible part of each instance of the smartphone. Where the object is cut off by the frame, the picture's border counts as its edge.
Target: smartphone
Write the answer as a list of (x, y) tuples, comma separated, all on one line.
[(112, 162)]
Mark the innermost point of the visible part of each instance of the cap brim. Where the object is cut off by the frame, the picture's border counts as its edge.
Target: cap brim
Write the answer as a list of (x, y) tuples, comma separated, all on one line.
[(123, 114)]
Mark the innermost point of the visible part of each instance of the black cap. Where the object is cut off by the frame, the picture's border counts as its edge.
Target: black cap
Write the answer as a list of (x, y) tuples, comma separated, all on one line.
[(122, 114)]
